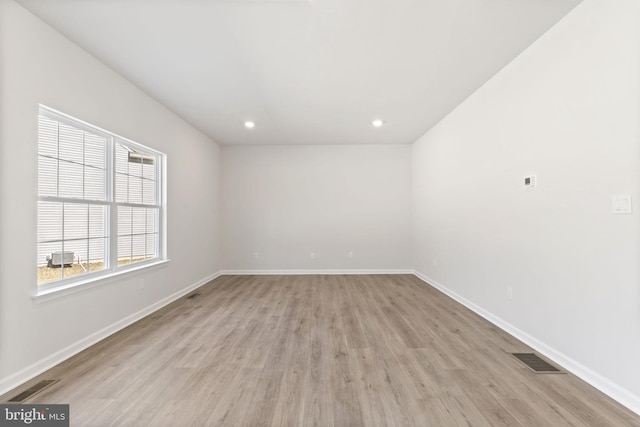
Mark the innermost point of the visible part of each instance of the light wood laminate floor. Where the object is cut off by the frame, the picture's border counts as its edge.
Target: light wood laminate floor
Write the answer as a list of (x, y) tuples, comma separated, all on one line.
[(383, 350)]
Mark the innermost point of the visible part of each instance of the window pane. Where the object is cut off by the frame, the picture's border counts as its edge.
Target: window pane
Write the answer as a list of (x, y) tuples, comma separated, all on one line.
[(77, 254), (152, 220), (46, 273), (75, 251), (49, 222), (94, 183), (70, 180), (124, 221), (138, 247), (76, 221), (70, 144), (135, 176), (135, 190), (94, 150), (139, 219), (47, 176), (124, 250), (151, 245), (137, 234), (149, 170), (122, 185), (96, 254), (122, 159), (148, 192), (97, 225), (135, 166), (47, 137), (79, 248)]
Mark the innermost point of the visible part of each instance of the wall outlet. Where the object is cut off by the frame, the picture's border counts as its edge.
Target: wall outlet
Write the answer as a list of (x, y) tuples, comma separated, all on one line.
[(434, 261), (141, 284), (256, 255), (622, 204), (312, 255), (509, 292), (350, 254), (530, 181)]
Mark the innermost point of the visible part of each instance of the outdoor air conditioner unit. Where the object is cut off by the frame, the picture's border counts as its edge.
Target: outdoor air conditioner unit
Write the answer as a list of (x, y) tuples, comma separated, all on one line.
[(57, 259)]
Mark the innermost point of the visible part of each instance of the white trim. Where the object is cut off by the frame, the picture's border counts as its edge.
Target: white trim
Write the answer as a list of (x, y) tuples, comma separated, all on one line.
[(310, 272), (92, 280), (608, 387), (9, 383)]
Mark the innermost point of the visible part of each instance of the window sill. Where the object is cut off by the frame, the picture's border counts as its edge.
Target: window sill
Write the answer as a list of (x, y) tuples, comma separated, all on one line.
[(43, 295)]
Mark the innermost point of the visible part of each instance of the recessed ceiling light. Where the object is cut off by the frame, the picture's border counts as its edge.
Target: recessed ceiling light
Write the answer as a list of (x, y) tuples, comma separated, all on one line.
[(377, 123), (249, 125)]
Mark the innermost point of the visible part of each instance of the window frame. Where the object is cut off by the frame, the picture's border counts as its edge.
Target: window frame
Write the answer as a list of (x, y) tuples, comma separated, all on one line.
[(111, 267)]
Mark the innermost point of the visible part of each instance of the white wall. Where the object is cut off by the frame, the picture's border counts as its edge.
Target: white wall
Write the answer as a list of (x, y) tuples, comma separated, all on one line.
[(285, 202), (568, 110), (38, 65)]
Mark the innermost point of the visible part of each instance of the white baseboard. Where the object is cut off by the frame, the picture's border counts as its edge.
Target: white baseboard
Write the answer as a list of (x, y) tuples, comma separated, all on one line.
[(310, 272), (9, 383), (611, 389)]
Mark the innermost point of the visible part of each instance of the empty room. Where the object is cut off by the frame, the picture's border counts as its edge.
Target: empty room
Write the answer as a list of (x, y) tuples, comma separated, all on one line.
[(319, 212)]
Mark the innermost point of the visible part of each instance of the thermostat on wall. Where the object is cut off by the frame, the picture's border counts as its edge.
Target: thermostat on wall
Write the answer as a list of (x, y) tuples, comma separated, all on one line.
[(530, 181)]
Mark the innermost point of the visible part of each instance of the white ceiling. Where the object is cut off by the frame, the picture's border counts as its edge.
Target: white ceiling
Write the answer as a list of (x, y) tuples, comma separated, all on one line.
[(306, 72)]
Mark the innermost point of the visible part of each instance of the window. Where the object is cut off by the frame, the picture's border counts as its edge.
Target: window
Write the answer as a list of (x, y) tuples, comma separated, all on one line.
[(100, 207)]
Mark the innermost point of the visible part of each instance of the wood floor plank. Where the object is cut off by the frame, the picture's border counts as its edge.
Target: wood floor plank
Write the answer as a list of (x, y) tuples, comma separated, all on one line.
[(369, 350)]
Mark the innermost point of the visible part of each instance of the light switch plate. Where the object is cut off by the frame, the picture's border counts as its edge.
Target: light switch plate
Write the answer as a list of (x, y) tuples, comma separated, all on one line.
[(622, 204)]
